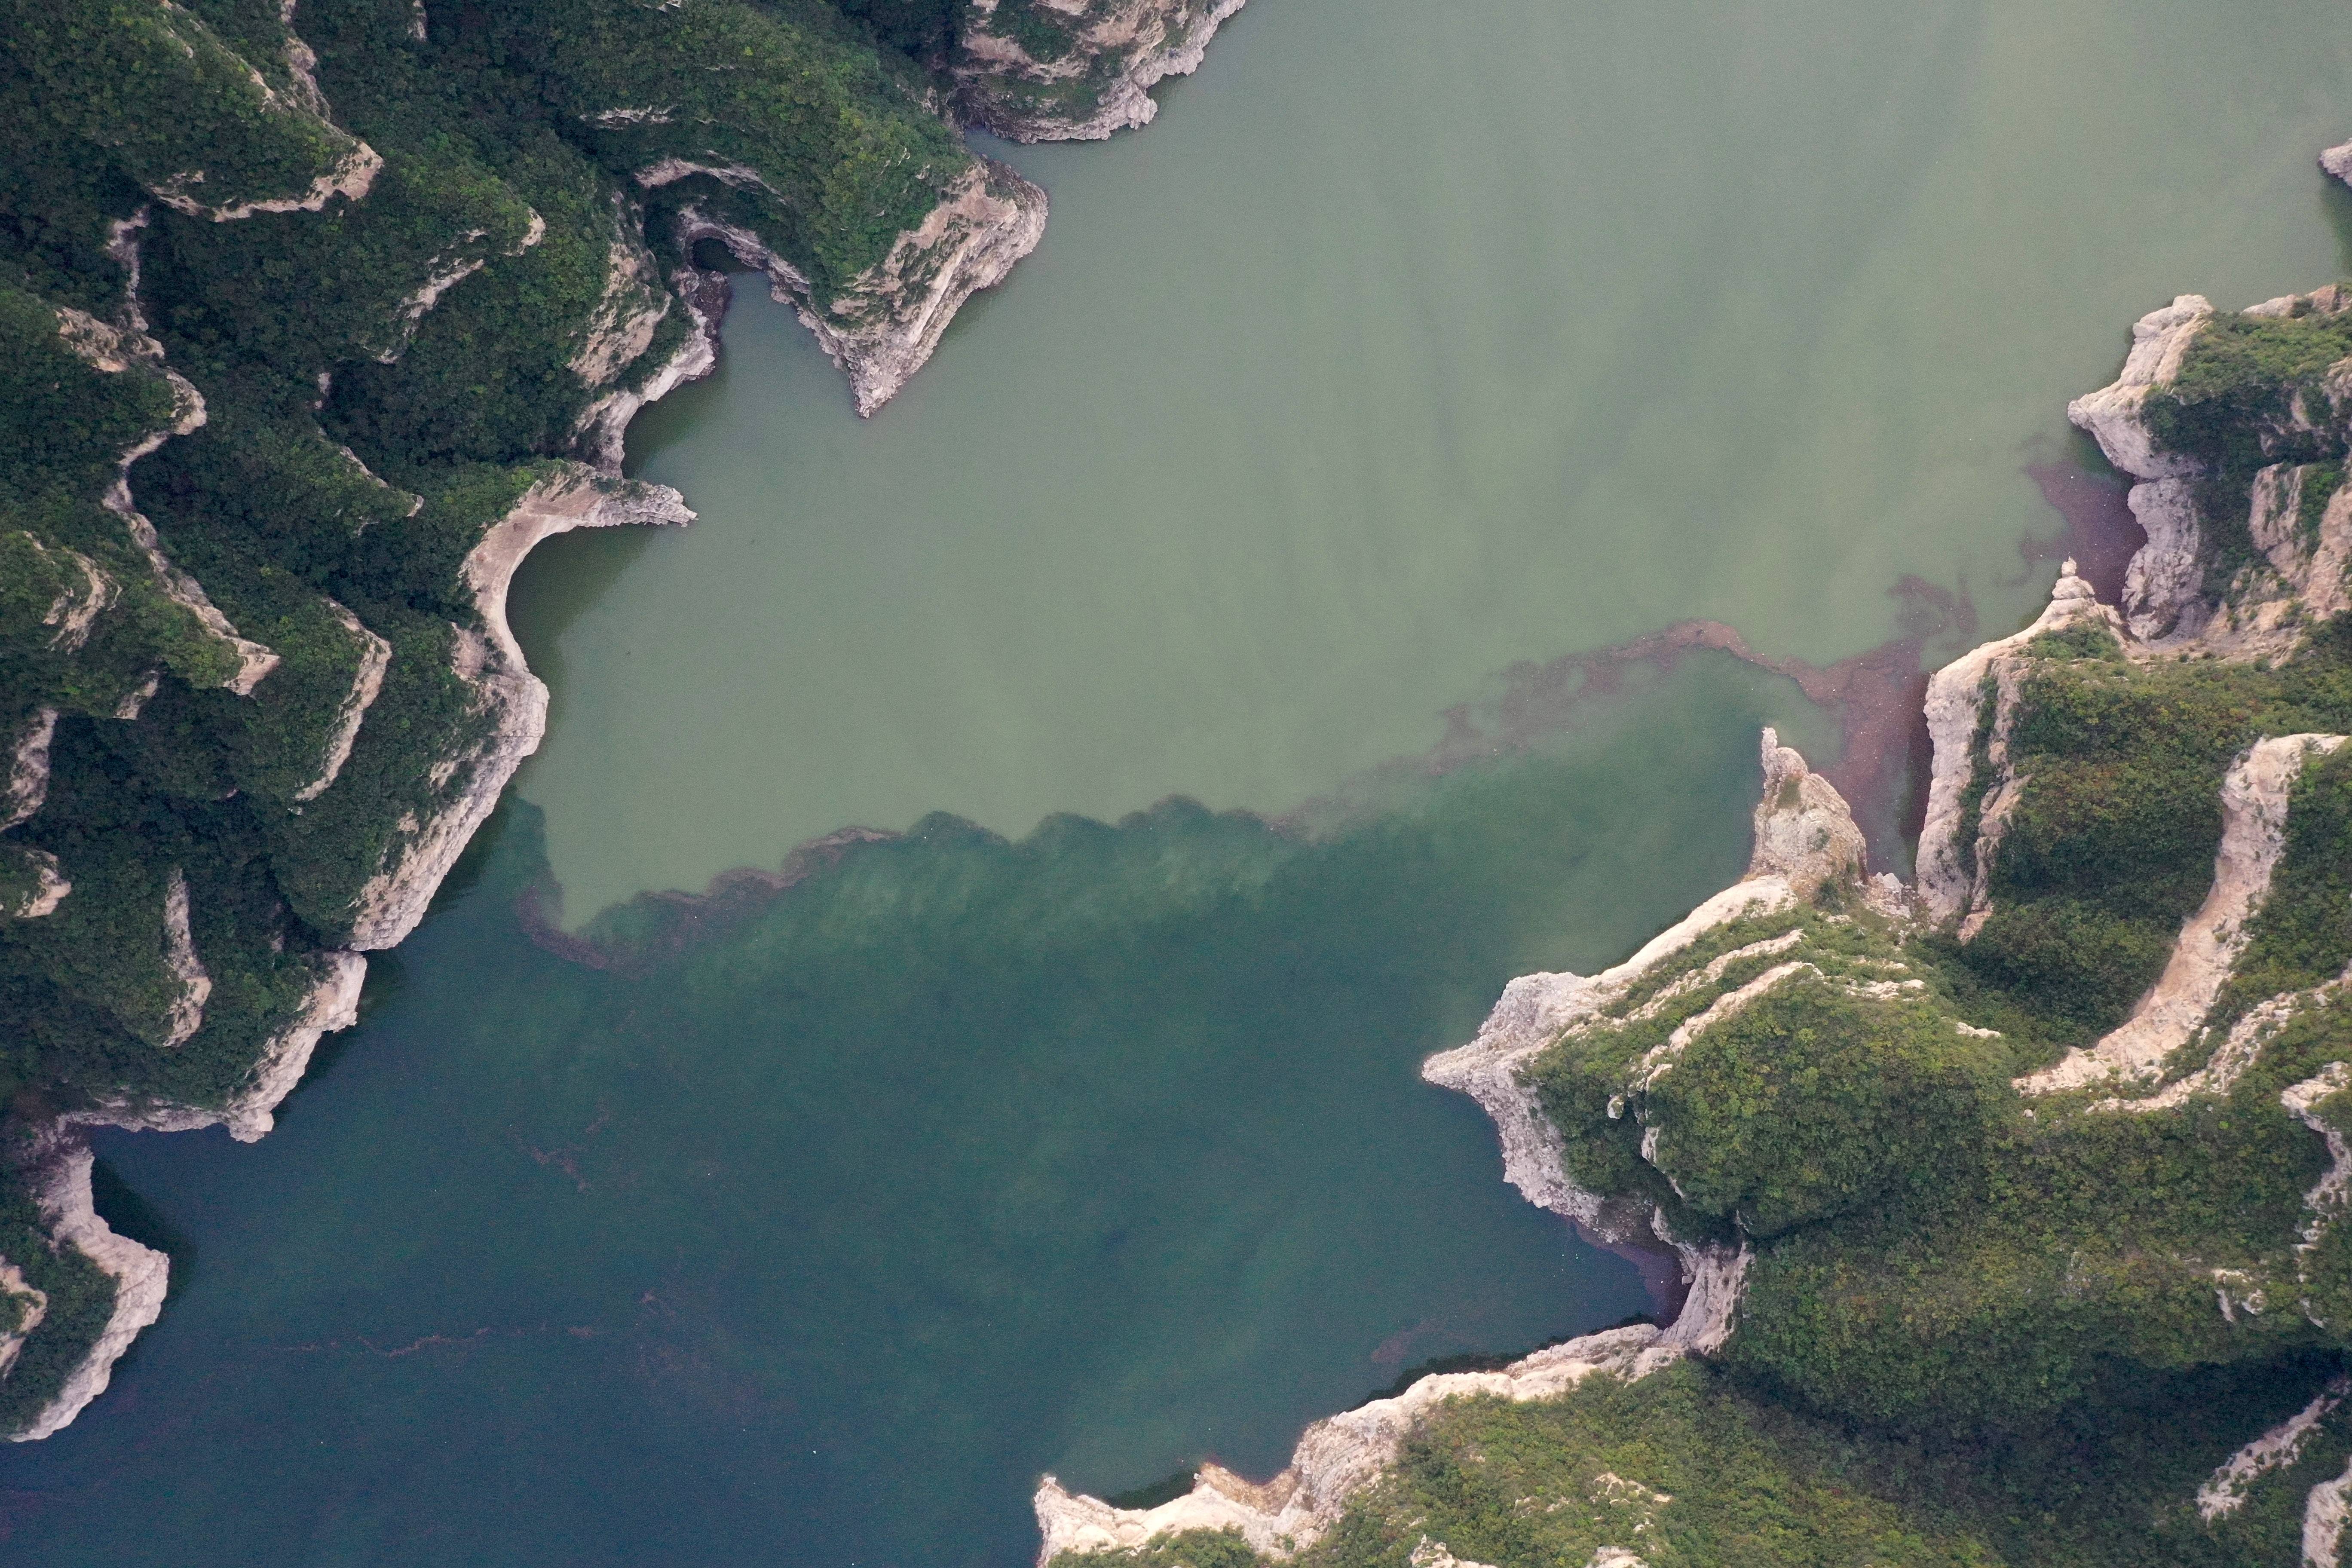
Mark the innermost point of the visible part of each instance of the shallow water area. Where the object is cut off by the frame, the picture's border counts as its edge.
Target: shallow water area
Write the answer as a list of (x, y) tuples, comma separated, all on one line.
[(1403, 346), (962, 1162)]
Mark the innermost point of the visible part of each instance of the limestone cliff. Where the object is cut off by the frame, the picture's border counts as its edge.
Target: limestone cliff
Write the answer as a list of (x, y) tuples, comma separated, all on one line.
[(59, 1168), (510, 702), (884, 326), (2125, 934), (1075, 70)]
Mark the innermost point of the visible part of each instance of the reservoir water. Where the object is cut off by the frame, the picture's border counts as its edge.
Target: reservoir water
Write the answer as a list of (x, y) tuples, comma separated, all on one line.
[(1409, 345)]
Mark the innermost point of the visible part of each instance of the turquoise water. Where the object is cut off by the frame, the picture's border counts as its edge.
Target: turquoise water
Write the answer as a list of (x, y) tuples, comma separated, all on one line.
[(964, 1162)]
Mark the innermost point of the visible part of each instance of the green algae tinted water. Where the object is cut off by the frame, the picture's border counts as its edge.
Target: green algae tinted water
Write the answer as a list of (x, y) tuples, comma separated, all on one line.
[(964, 1162), (1409, 343)]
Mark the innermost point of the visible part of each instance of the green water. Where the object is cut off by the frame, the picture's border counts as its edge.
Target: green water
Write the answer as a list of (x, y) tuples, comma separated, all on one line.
[(1409, 343), (967, 1161)]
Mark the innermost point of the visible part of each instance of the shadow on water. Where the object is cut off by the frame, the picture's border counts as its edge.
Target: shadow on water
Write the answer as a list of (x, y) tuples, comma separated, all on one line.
[(2335, 211), (121, 1208)]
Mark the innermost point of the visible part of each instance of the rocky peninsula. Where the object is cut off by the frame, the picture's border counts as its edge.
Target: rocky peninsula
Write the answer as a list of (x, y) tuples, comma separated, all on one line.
[(2009, 1198)]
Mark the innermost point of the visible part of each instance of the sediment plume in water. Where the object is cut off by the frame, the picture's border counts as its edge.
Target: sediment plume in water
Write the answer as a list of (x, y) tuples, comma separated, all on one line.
[(1875, 696)]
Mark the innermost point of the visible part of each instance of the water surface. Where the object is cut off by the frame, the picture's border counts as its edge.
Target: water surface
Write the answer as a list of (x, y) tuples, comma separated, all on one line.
[(1411, 341), (965, 1161)]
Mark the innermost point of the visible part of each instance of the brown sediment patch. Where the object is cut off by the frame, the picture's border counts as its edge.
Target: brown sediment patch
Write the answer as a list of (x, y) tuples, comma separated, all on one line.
[(1878, 696), (2101, 535)]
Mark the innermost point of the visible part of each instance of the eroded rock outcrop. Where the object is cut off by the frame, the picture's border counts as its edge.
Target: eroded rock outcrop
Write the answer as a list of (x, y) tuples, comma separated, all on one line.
[(2253, 834), (884, 327), (28, 768), (2164, 579), (185, 1014), (2225, 1490), (633, 309), (1804, 833), (2161, 341), (57, 1176), (1075, 71), (1954, 864), (367, 684)]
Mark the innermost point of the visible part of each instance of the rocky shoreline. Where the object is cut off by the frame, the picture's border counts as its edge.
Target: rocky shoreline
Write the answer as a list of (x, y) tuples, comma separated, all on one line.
[(1804, 839), (2187, 605), (877, 297), (1103, 57)]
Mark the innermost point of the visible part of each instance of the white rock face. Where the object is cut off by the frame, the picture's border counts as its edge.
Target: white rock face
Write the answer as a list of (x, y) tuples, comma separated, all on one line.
[(352, 175), (2325, 1513), (884, 326), (1534, 1010), (1660, 1059), (2242, 1048), (633, 305), (444, 272), (1947, 881), (2111, 414), (28, 769), (367, 683), (113, 351), (49, 884), (187, 1011), (392, 901), (2327, 1197), (2308, 580), (1804, 833), (75, 611), (2224, 1491), (1338, 1456), (1150, 40), (333, 1003), (2253, 834), (2337, 160), (2163, 583), (32, 1305), (605, 424), (59, 1181)]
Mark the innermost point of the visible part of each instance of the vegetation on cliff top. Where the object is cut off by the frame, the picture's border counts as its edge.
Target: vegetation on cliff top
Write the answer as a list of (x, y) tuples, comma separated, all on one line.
[(1983, 1322), (342, 297)]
